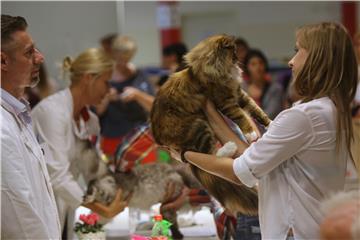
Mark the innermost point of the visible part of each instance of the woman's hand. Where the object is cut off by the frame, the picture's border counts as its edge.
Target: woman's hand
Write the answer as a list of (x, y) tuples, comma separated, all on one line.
[(133, 94), (111, 96), (113, 208), (117, 205), (130, 94)]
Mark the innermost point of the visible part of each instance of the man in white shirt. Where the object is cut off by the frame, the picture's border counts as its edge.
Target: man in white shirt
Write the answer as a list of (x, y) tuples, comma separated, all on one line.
[(28, 208)]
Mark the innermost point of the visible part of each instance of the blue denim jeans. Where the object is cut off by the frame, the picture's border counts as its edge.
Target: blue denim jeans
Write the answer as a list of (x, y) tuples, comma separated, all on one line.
[(247, 228)]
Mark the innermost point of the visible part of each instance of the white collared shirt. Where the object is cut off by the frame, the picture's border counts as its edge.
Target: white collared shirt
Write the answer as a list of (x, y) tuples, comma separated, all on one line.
[(296, 165), (53, 121), (28, 208)]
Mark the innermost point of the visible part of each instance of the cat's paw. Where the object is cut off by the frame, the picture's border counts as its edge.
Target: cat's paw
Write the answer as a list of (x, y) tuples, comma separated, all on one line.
[(267, 127), (228, 150), (251, 137)]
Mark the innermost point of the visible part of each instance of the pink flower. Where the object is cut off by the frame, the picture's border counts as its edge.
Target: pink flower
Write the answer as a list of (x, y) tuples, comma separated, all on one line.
[(94, 217), (89, 223), (83, 218), (90, 219)]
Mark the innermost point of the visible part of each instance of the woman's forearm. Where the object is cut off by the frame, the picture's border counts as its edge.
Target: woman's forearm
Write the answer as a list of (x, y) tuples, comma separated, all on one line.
[(103, 210), (222, 131), (145, 100), (221, 167)]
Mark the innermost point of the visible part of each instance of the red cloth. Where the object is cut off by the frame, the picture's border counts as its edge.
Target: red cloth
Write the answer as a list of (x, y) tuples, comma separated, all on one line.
[(137, 148), (109, 145)]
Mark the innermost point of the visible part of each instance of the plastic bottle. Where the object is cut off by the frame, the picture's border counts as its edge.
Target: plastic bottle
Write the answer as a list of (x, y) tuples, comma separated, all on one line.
[(160, 230)]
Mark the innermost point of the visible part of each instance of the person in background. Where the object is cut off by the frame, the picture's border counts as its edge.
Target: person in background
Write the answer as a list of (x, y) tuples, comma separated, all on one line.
[(242, 48), (130, 98), (28, 208), (63, 120), (45, 87), (106, 42), (342, 216), (268, 94), (302, 157), (172, 60), (172, 57)]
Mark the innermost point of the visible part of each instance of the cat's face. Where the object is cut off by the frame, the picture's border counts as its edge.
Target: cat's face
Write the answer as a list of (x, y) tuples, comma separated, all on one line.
[(214, 55), (101, 190)]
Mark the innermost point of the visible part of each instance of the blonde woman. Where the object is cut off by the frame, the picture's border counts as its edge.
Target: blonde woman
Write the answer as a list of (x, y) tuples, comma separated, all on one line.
[(302, 157), (63, 119)]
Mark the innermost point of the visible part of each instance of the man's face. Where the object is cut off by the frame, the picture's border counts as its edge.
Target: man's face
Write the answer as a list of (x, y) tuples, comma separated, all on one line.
[(22, 60), (169, 61)]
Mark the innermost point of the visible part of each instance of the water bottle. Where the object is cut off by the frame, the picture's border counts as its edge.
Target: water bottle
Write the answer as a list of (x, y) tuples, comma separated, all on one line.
[(160, 230)]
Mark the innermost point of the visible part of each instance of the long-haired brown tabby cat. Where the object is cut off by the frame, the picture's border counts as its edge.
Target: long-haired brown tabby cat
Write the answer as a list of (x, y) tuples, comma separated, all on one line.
[(178, 120)]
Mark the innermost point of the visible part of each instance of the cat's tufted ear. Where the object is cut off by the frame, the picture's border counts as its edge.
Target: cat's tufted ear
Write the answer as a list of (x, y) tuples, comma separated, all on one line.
[(227, 42)]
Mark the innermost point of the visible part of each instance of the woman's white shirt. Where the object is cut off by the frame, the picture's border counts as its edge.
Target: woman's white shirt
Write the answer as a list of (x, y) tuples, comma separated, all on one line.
[(296, 166), (53, 121)]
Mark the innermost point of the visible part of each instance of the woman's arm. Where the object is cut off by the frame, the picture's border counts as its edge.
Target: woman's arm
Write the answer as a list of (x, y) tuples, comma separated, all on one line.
[(112, 210), (133, 94), (112, 95), (219, 166), (222, 130)]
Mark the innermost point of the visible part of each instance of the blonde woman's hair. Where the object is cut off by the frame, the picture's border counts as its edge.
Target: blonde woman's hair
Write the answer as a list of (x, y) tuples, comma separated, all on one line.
[(125, 45), (329, 70), (91, 61)]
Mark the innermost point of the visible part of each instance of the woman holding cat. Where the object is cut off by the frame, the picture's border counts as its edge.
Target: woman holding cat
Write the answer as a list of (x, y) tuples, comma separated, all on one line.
[(302, 157), (62, 120)]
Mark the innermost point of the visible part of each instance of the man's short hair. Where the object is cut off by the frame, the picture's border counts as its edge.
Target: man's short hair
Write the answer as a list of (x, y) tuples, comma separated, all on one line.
[(9, 25), (241, 42), (108, 39), (178, 49)]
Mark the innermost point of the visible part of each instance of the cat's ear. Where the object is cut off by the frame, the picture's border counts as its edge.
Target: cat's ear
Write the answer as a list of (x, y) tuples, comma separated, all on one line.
[(227, 42)]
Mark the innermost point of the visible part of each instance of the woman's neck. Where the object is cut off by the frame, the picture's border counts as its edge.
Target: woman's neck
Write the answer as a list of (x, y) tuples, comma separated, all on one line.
[(78, 100), (125, 70)]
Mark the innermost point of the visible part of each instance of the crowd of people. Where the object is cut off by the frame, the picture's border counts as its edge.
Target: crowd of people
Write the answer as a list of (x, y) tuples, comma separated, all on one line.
[(300, 160)]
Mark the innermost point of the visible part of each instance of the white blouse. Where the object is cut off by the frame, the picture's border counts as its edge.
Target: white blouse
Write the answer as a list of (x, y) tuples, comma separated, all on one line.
[(296, 165), (53, 122)]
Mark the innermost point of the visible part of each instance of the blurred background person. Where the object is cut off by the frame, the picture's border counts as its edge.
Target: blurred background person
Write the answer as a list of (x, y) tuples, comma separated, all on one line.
[(172, 57), (242, 48), (63, 120), (44, 88), (106, 42), (130, 99), (172, 60), (342, 216), (268, 94)]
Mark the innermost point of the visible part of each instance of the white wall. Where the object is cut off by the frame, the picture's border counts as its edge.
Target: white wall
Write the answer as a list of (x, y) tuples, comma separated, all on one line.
[(64, 28), (61, 28), (269, 26)]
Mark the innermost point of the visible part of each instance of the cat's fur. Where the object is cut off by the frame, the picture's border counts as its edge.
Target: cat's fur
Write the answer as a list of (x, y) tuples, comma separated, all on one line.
[(147, 184), (178, 120)]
